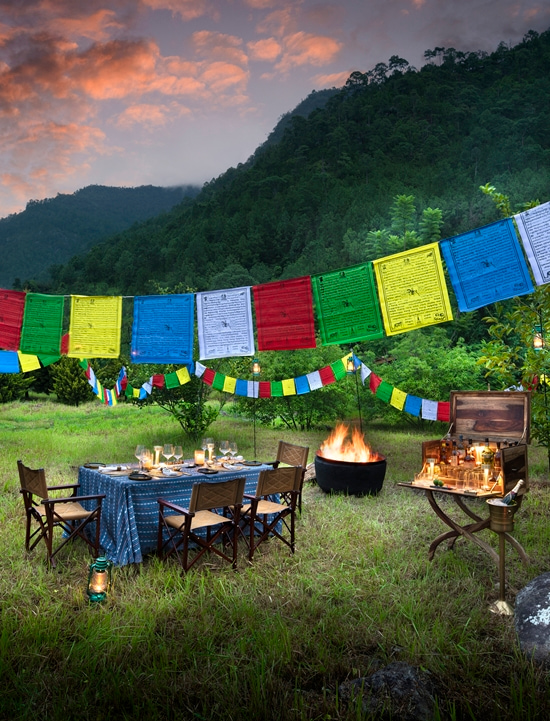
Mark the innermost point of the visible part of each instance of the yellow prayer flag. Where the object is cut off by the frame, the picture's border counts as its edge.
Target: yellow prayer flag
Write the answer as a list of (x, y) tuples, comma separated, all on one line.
[(113, 398), (229, 384), (99, 393), (183, 375), (398, 399), (28, 362), (135, 393), (289, 387), (412, 289), (94, 328)]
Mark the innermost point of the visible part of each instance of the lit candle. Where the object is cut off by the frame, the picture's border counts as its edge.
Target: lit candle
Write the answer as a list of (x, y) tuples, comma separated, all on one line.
[(199, 458), (485, 478)]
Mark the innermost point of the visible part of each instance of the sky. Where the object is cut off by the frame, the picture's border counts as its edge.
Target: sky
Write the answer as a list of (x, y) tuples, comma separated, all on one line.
[(175, 92)]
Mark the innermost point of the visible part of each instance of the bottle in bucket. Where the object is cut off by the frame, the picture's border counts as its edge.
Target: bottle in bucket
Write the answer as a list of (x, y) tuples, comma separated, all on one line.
[(510, 497)]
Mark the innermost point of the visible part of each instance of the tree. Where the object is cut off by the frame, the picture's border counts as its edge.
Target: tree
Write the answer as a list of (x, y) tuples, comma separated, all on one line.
[(13, 386), (70, 383)]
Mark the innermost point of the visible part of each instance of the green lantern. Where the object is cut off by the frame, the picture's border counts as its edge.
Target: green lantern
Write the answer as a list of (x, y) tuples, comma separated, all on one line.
[(99, 579)]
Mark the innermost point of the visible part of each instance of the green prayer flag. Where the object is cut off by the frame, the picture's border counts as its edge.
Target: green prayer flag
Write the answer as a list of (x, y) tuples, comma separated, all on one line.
[(47, 360), (83, 363), (384, 391), (339, 369), (129, 392), (42, 324), (346, 305), (277, 389), (219, 380), (171, 380)]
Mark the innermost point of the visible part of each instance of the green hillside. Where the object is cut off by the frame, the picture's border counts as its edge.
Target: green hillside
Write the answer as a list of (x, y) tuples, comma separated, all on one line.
[(306, 203), (53, 230)]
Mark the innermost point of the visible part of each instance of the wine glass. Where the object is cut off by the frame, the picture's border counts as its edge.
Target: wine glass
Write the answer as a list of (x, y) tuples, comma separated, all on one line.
[(168, 452), (224, 448), (233, 449), (178, 453), (210, 445), (138, 453)]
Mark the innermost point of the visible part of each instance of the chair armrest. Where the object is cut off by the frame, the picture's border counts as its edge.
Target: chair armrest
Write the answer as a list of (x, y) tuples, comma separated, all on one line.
[(174, 507), (271, 463), (59, 488), (71, 499), (249, 496)]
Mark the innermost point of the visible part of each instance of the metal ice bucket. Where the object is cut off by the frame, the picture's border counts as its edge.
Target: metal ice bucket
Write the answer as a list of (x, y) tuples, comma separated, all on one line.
[(501, 518)]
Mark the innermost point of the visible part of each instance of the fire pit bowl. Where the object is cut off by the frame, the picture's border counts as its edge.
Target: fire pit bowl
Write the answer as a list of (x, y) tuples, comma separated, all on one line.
[(355, 479)]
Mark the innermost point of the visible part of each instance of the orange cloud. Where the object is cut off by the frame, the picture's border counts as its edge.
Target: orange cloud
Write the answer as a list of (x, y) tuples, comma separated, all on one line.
[(97, 26), (278, 23), (305, 49), (150, 116), (333, 80), (221, 77), (186, 9), (267, 50), (218, 46)]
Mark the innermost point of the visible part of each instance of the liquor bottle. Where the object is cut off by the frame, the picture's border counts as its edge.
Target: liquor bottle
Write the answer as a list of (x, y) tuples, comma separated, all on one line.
[(510, 497), (445, 450), (488, 455), (469, 458), (454, 455), (461, 451), (498, 457)]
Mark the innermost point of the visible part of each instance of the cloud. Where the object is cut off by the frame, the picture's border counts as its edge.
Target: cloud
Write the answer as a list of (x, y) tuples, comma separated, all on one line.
[(186, 9), (97, 26), (267, 49), (150, 115), (219, 46), (332, 80), (305, 49)]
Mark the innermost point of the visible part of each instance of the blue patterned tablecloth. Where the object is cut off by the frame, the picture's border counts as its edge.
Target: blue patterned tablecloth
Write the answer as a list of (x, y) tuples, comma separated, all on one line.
[(129, 515)]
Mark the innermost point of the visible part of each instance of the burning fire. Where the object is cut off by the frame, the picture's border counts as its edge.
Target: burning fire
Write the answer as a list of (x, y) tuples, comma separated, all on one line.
[(338, 447)]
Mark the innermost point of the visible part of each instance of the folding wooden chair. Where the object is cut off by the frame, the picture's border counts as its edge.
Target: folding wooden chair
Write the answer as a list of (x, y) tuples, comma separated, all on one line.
[(213, 516), (48, 513), (291, 455), (263, 517)]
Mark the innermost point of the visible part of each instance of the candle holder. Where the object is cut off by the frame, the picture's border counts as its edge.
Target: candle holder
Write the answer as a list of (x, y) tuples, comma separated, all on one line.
[(99, 579), (199, 458)]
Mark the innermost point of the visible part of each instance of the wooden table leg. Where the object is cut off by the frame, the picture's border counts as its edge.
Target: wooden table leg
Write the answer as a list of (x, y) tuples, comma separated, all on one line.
[(466, 531)]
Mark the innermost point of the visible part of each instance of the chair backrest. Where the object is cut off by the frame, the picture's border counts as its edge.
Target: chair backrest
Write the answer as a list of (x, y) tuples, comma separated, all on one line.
[(279, 480), (292, 455), (32, 481), (205, 496)]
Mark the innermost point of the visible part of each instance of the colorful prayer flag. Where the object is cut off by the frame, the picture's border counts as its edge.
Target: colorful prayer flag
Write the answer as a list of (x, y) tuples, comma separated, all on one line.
[(412, 289), (42, 324), (94, 328), (9, 361), (28, 362), (398, 399), (346, 305), (224, 319), (486, 265), (162, 329), (284, 314), (534, 229), (12, 304)]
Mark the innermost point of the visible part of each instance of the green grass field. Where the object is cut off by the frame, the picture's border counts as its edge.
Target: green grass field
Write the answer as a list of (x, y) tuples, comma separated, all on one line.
[(275, 639)]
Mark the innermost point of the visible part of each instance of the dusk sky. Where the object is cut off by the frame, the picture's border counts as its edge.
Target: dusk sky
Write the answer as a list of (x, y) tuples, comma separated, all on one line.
[(170, 92)]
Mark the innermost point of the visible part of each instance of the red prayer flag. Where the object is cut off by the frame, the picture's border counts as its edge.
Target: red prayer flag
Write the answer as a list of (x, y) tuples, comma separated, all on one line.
[(327, 376), (158, 381), (12, 306), (208, 376), (265, 389), (284, 314), (64, 344), (443, 411), (374, 382)]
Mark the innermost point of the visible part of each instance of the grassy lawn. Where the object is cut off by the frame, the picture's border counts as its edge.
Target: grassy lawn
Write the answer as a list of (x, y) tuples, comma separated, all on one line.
[(275, 639)]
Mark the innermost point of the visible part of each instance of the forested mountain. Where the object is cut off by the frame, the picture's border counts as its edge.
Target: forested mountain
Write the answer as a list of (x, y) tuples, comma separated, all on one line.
[(55, 229), (307, 203)]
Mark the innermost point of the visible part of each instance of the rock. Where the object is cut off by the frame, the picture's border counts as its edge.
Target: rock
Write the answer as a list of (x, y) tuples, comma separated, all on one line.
[(397, 691), (309, 475), (532, 618)]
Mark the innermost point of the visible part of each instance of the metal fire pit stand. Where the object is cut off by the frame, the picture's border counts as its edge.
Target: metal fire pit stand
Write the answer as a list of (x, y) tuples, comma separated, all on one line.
[(498, 521)]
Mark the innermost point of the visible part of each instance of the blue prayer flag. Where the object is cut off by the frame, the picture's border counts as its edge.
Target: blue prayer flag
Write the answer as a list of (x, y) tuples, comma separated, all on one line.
[(162, 331), (486, 265), (413, 405), (9, 361), (302, 385)]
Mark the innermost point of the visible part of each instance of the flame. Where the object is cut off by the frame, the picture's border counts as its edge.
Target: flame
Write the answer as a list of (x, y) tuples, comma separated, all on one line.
[(338, 447)]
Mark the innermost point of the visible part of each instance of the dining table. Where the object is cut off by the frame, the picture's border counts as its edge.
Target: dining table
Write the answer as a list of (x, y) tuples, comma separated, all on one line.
[(130, 512)]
